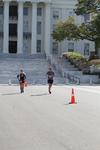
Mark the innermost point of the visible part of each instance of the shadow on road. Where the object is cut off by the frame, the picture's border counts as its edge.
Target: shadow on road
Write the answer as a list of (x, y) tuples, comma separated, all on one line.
[(42, 94), (10, 94), (70, 103)]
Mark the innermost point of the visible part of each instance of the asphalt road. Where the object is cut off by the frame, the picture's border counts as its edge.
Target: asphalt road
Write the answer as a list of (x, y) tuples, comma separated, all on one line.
[(36, 120)]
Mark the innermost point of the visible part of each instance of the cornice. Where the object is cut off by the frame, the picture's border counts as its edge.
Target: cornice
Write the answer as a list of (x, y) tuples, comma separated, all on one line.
[(44, 1), (36, 1)]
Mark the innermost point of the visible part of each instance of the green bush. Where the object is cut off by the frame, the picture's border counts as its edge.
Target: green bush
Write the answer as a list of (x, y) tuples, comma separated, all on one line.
[(74, 56), (77, 59), (81, 62)]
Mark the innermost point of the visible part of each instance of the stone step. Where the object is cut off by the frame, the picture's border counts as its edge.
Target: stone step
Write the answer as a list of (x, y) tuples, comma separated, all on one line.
[(77, 73), (82, 79), (35, 70), (69, 69), (27, 56)]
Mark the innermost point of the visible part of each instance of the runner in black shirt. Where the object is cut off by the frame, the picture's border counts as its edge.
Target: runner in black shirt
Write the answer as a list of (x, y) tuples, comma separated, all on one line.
[(50, 75), (21, 77)]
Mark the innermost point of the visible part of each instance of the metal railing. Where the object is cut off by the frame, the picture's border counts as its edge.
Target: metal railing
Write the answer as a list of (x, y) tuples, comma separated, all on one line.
[(71, 79), (57, 63)]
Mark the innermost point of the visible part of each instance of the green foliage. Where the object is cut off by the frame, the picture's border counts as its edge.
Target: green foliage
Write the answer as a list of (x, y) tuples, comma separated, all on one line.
[(65, 29), (77, 59), (71, 31), (74, 56), (89, 31), (96, 25), (87, 7), (80, 61)]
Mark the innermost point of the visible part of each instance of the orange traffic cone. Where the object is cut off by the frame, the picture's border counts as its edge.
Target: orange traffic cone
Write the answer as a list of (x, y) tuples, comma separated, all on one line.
[(72, 98)]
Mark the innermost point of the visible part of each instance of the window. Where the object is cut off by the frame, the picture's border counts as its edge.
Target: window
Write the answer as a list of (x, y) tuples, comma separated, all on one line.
[(13, 11), (26, 36), (38, 27), (38, 46), (1, 10), (56, 14), (86, 48), (54, 27), (70, 47), (71, 13), (12, 29), (25, 11), (39, 11), (55, 48)]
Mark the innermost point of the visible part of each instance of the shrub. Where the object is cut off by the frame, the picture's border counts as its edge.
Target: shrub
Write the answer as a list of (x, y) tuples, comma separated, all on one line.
[(74, 56), (77, 59)]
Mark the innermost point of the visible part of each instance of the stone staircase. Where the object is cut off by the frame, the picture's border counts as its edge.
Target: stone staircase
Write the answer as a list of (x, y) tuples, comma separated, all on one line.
[(71, 73), (78, 75), (34, 67)]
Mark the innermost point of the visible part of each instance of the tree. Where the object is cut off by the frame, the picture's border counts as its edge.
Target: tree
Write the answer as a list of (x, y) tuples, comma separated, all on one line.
[(87, 6), (65, 29), (91, 7), (89, 30), (71, 31)]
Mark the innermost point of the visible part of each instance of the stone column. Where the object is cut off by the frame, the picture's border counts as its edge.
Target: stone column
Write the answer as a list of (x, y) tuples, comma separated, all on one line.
[(20, 28), (34, 28), (47, 29), (6, 27)]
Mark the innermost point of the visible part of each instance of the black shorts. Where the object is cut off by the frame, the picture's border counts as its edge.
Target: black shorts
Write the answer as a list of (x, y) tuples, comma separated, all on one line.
[(50, 81)]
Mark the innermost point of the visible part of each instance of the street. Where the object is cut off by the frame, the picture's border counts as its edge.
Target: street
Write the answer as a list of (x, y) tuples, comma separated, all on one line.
[(36, 120)]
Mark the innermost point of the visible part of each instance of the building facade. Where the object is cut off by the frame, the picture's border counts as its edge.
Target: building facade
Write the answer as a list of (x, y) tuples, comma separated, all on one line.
[(26, 27)]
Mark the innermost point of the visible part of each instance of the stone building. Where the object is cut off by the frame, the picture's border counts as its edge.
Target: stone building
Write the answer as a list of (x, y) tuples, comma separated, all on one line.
[(26, 27)]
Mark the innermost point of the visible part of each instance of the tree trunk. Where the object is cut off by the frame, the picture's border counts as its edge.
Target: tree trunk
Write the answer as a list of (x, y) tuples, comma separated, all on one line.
[(97, 47)]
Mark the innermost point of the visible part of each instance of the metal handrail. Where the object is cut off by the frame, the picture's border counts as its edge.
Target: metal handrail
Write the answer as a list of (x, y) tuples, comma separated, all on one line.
[(72, 78)]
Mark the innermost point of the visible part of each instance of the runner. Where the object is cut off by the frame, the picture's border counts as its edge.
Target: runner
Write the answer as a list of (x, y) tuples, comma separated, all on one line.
[(21, 77), (50, 75)]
